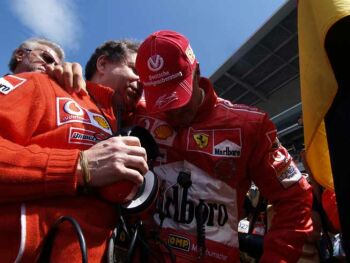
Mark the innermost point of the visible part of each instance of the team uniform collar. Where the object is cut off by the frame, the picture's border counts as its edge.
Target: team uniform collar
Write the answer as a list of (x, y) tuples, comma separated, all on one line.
[(101, 94), (209, 100)]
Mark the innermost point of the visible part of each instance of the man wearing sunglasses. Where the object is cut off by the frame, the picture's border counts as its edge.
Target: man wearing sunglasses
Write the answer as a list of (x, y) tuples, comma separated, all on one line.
[(34, 54), (52, 151)]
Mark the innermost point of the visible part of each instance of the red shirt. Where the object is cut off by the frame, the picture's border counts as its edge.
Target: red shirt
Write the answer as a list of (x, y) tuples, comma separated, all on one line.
[(42, 130), (224, 149)]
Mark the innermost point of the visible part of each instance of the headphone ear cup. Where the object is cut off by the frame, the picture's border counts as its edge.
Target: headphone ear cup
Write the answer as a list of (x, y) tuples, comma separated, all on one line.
[(135, 199), (146, 196)]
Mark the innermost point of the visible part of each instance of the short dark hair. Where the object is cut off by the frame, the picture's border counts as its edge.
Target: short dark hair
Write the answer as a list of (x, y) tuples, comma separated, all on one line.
[(32, 43), (115, 50)]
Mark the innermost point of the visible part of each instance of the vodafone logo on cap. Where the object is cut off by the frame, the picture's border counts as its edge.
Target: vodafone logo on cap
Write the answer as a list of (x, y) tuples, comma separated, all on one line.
[(155, 63)]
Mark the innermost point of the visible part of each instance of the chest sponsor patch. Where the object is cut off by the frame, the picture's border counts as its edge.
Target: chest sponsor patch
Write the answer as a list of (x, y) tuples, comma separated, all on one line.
[(9, 83), (160, 130), (186, 189), (201, 139), (179, 242), (163, 132), (69, 111), (87, 137), (218, 142)]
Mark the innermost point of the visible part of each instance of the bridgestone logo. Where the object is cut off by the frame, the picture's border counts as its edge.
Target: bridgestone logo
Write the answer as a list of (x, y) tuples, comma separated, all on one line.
[(227, 152), (80, 136)]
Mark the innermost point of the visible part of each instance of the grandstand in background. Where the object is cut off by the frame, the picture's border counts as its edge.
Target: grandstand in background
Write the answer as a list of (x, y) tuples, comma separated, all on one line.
[(264, 72)]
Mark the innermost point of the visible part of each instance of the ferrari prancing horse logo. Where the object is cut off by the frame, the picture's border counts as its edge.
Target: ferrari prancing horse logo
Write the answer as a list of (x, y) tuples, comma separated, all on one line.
[(201, 139)]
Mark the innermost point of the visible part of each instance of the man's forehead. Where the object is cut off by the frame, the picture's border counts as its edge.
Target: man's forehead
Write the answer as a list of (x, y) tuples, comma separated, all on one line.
[(129, 59)]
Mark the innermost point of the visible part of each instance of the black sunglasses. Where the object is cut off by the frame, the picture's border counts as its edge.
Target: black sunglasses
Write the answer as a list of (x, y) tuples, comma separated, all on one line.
[(45, 56)]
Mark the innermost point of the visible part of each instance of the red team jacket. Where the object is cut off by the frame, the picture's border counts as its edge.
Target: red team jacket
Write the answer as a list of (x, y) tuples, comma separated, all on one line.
[(225, 148), (42, 130)]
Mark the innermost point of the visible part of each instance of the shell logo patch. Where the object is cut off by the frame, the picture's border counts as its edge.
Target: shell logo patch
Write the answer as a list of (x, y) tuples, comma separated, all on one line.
[(101, 121), (162, 132), (201, 139)]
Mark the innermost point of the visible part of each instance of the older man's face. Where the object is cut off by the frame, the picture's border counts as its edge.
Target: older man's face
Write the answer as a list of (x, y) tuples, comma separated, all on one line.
[(35, 60)]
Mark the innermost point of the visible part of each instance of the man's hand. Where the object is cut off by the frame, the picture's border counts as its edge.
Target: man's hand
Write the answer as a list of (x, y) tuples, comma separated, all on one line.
[(114, 159), (68, 75)]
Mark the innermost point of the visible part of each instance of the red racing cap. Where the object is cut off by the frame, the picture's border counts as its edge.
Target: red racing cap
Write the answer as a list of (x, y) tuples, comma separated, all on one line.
[(165, 63)]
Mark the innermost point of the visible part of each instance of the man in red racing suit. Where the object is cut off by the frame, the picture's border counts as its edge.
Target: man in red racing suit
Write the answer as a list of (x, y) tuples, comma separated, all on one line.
[(43, 129), (211, 152)]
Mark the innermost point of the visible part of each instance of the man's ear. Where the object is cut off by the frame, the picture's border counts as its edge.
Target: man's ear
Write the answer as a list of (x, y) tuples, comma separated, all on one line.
[(19, 54), (101, 63)]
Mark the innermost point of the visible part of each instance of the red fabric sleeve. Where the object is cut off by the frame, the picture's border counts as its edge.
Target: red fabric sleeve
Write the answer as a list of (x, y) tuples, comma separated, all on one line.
[(280, 181), (329, 203), (30, 171)]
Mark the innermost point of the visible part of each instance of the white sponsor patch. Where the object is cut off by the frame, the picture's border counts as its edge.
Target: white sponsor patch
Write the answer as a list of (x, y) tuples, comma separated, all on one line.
[(69, 111), (243, 226), (181, 202), (190, 55), (290, 176), (10, 83), (86, 137), (227, 148), (217, 142)]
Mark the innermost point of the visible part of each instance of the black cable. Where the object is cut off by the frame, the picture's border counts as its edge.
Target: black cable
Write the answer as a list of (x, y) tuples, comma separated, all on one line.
[(46, 250), (200, 218), (132, 245)]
